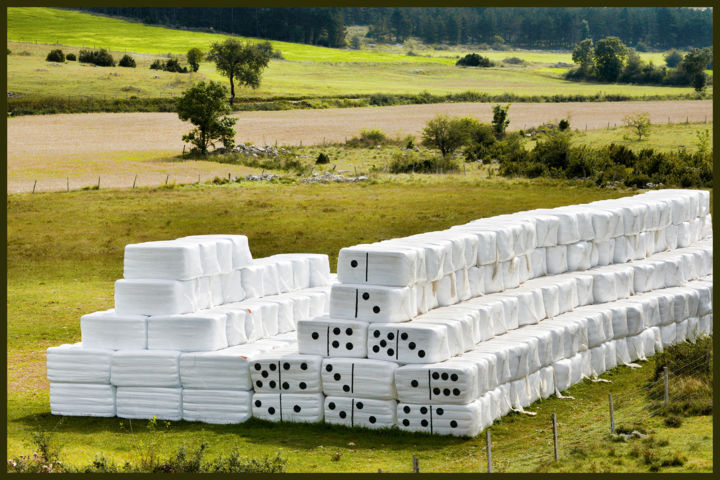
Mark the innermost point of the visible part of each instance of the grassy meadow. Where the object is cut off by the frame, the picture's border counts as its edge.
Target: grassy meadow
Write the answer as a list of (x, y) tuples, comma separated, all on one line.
[(306, 71), (65, 251)]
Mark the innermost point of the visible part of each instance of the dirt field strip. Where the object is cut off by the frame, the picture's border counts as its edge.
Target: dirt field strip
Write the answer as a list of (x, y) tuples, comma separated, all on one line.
[(117, 146)]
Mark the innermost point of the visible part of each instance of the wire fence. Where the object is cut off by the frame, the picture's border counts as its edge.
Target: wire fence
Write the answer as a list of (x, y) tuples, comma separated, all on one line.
[(583, 427)]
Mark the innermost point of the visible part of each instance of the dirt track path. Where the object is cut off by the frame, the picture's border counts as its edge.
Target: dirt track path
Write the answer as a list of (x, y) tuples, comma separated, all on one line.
[(116, 146)]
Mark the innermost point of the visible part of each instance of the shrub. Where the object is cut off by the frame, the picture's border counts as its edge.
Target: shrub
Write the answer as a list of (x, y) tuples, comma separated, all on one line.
[(382, 99), (673, 58), (673, 421), (369, 138), (277, 54), (171, 65), (70, 57), (127, 61), (56, 55), (446, 134), (413, 162), (514, 61), (101, 58), (194, 57), (322, 159), (564, 124), (474, 60)]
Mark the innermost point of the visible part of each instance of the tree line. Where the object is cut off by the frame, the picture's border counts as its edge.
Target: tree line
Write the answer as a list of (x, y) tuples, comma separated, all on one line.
[(542, 28)]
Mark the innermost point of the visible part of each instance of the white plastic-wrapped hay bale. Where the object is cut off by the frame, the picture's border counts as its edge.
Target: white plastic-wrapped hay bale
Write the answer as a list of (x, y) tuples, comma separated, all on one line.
[(192, 332), (216, 406), (381, 264), (457, 420), (161, 297), (451, 382), (329, 337), (167, 260), (74, 363), (108, 330), (286, 372), (372, 303), (149, 402), (241, 255), (82, 399), (289, 407), (145, 368), (349, 377), (360, 412), (409, 342)]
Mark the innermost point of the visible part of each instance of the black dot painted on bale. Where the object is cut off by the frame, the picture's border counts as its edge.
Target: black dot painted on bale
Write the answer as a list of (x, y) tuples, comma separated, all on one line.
[(366, 296), (403, 336), (439, 411), (391, 336), (421, 353), (423, 410), (454, 377), (359, 405), (349, 346), (446, 392), (259, 384), (272, 383), (336, 331), (346, 388), (445, 376), (258, 403), (264, 373), (372, 419), (406, 409), (271, 410), (343, 414), (406, 422), (285, 385), (348, 331), (336, 344), (456, 391), (436, 391), (376, 348), (286, 366), (297, 408), (411, 345), (376, 309), (354, 264), (424, 423), (257, 366), (331, 405), (303, 366), (391, 352), (337, 377), (414, 383), (328, 368), (435, 375), (315, 335), (383, 343), (376, 333), (303, 385), (453, 424), (273, 367)]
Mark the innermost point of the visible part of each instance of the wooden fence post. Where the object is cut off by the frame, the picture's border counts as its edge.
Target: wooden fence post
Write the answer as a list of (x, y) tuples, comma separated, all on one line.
[(167, 177), (68, 184), (415, 464), (489, 450), (612, 414), (34, 185), (555, 437), (98, 182), (134, 180)]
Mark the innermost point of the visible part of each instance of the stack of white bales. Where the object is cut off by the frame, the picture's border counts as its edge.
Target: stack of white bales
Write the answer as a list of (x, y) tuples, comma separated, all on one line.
[(189, 315), (462, 297)]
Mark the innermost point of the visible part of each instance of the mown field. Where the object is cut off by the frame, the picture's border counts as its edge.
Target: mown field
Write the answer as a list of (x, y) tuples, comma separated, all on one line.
[(306, 71), (65, 251)]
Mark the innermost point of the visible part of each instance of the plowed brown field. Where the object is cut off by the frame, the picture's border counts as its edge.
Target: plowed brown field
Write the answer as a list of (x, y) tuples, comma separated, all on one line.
[(117, 146)]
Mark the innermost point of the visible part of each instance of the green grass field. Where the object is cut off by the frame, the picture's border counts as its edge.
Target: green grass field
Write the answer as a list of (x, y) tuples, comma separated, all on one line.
[(663, 137), (65, 251), (306, 71)]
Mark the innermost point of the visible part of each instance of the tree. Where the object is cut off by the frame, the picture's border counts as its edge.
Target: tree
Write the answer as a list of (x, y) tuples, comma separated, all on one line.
[(640, 123), (445, 133), (204, 105), (500, 120), (610, 54), (583, 55), (56, 55), (127, 61), (194, 57), (693, 67), (673, 58), (243, 61)]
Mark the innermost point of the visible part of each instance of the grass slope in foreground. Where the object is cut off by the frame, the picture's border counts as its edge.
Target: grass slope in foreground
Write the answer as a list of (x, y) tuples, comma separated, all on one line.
[(65, 251)]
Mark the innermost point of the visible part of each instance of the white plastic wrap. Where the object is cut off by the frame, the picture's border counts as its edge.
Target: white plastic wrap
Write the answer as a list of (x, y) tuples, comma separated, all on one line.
[(75, 363), (216, 406), (349, 377), (289, 407), (360, 412), (408, 342), (108, 330), (241, 255), (145, 368), (371, 303), (194, 332), (451, 382), (160, 297), (457, 420), (149, 402), (168, 260), (332, 338), (283, 372), (387, 264), (216, 254), (82, 399)]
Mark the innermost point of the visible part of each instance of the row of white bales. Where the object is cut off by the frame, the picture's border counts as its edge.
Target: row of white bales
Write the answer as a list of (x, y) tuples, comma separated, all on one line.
[(517, 341)]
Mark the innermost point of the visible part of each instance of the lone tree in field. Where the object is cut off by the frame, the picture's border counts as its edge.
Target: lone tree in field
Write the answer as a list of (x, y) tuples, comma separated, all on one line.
[(204, 105), (610, 55), (194, 57), (639, 123), (241, 61), (445, 133), (500, 120)]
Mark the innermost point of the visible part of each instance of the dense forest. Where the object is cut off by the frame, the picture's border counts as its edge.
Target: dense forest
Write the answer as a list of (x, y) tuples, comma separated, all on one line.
[(539, 28)]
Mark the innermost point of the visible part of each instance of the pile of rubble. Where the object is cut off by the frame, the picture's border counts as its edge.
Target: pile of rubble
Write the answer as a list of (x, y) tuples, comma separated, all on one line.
[(266, 151), (328, 177), (262, 176)]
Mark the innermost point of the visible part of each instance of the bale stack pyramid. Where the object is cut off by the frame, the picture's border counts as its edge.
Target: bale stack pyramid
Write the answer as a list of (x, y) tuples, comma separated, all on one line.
[(441, 332)]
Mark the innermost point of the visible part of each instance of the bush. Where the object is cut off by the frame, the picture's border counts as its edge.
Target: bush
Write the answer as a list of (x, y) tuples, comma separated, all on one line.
[(56, 55), (127, 61), (322, 159), (171, 65), (673, 421), (413, 162), (446, 134), (474, 60), (514, 61), (673, 58), (564, 124), (382, 99), (369, 138), (101, 58), (70, 57)]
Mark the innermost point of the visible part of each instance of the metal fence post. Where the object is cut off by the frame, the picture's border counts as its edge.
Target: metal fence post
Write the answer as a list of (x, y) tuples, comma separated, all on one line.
[(612, 414), (489, 450), (555, 437)]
